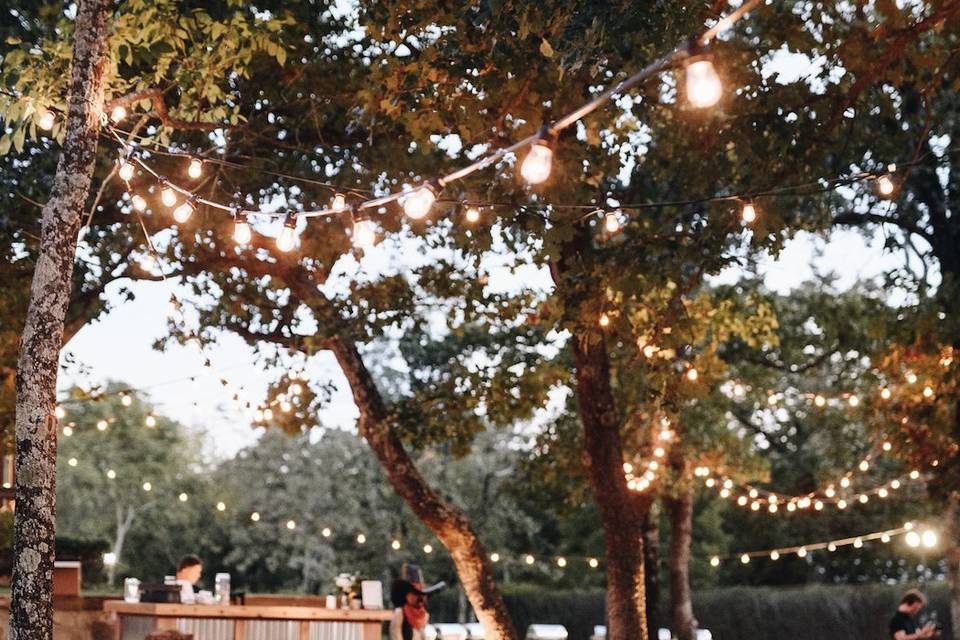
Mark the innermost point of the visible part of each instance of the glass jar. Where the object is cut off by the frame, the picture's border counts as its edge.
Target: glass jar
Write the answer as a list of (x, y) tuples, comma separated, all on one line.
[(131, 590), (221, 592)]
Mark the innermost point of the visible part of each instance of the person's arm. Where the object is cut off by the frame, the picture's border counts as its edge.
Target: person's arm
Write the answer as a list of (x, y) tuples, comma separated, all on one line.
[(396, 625), (927, 631)]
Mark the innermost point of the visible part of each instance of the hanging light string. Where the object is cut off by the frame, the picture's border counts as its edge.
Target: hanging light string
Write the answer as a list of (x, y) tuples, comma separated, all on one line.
[(915, 537)]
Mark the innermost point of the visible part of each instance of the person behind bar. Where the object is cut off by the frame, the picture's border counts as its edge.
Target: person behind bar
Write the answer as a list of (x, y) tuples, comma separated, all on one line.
[(188, 574)]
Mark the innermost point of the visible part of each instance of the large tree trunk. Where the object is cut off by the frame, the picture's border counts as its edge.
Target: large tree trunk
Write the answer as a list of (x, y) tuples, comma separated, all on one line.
[(621, 514), (651, 568), (680, 511), (447, 522), (31, 607)]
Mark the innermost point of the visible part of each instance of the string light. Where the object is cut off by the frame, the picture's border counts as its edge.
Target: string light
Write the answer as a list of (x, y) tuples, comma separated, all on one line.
[(221, 506), (255, 516), (364, 231), (494, 557), (102, 425), (561, 562), (361, 539), (291, 525), (326, 532), (604, 320), (168, 196), (126, 170), (183, 497), (182, 213), (72, 462), (111, 474), (139, 202), (472, 215), (195, 168), (529, 559), (46, 119), (593, 562), (60, 412), (703, 84), (126, 400), (288, 234), (395, 545), (692, 374), (885, 186), (538, 162), (118, 114), (611, 222), (749, 213), (147, 486), (428, 549), (339, 202), (68, 431), (241, 228), (150, 421), (418, 203)]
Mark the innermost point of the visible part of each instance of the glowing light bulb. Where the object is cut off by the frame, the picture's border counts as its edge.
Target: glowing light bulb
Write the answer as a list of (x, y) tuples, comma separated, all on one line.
[(288, 234), (611, 222), (102, 425), (395, 545), (364, 233), (703, 84), (886, 446), (339, 202), (472, 214), (221, 506), (914, 474), (428, 548), (927, 392), (417, 205), (832, 547), (802, 552), (60, 412), (183, 497), (118, 114), (494, 557), (885, 538), (168, 196), (285, 407), (745, 559), (561, 562), (913, 539), (853, 401), (296, 388), (755, 506), (326, 533), (911, 377), (882, 492), (195, 168), (126, 170), (749, 213), (604, 320), (842, 504), (774, 555), (291, 525), (885, 186), (864, 465), (928, 538), (147, 486), (593, 562), (830, 492), (528, 559), (268, 414), (182, 213), (72, 462), (361, 539), (255, 516), (885, 393), (68, 431), (538, 163), (714, 561), (819, 401), (126, 400), (139, 202), (818, 505), (864, 498), (241, 230), (845, 482), (692, 375), (742, 501), (894, 484), (46, 120), (151, 421)]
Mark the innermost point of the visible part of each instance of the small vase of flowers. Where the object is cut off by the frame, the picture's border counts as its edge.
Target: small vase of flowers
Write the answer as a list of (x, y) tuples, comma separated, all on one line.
[(346, 588)]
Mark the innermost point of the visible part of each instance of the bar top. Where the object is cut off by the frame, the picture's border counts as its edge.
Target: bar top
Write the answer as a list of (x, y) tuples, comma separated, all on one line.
[(245, 612)]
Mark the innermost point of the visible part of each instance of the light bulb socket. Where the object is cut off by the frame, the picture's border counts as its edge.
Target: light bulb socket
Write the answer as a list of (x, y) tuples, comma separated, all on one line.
[(358, 215), (290, 220), (238, 215), (547, 137), (434, 185)]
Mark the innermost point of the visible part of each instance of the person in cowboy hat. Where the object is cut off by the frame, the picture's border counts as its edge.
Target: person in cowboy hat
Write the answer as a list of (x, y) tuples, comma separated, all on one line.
[(410, 599)]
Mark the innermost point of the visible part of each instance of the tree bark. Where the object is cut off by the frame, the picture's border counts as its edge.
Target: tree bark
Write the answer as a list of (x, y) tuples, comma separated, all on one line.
[(651, 568), (952, 555), (31, 607), (680, 512), (448, 523)]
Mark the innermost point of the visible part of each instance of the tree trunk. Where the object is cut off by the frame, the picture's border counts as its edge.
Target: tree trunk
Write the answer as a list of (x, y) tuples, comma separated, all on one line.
[(620, 513), (651, 568), (447, 522), (680, 511), (952, 555), (124, 522), (31, 607)]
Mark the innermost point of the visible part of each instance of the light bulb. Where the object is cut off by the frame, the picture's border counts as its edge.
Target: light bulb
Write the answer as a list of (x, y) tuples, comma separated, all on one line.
[(326, 533), (842, 504), (692, 375), (418, 203), (472, 214), (885, 538), (911, 377), (147, 486), (714, 561), (885, 393), (845, 482), (255, 516), (913, 539), (395, 545), (46, 120), (126, 170), (594, 563), (745, 559), (68, 431), (529, 559), (60, 412), (339, 202), (287, 237), (241, 231), (864, 465), (853, 401), (774, 555), (126, 400), (102, 425), (604, 320), (151, 421), (183, 497), (611, 222), (885, 186), (561, 562), (427, 548), (72, 462), (802, 552), (364, 233), (929, 538), (703, 84), (182, 213), (749, 213), (819, 401), (118, 114), (195, 168), (536, 166), (139, 202), (291, 524), (111, 474), (168, 196), (927, 392), (832, 547), (494, 557)]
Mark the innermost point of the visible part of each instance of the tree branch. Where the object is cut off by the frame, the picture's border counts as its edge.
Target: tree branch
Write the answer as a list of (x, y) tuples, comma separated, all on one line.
[(155, 96)]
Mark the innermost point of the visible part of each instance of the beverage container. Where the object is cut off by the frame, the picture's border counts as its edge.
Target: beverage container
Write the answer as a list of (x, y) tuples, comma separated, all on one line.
[(331, 601), (221, 590), (131, 590)]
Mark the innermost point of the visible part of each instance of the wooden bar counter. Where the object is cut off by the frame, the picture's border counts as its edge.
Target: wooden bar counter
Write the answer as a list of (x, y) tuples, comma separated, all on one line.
[(246, 622)]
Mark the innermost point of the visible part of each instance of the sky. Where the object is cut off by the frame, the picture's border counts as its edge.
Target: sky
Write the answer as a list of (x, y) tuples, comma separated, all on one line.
[(119, 346)]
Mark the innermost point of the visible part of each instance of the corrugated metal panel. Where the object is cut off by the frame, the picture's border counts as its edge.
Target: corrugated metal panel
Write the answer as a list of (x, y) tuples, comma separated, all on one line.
[(336, 631), (206, 628), (271, 630)]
